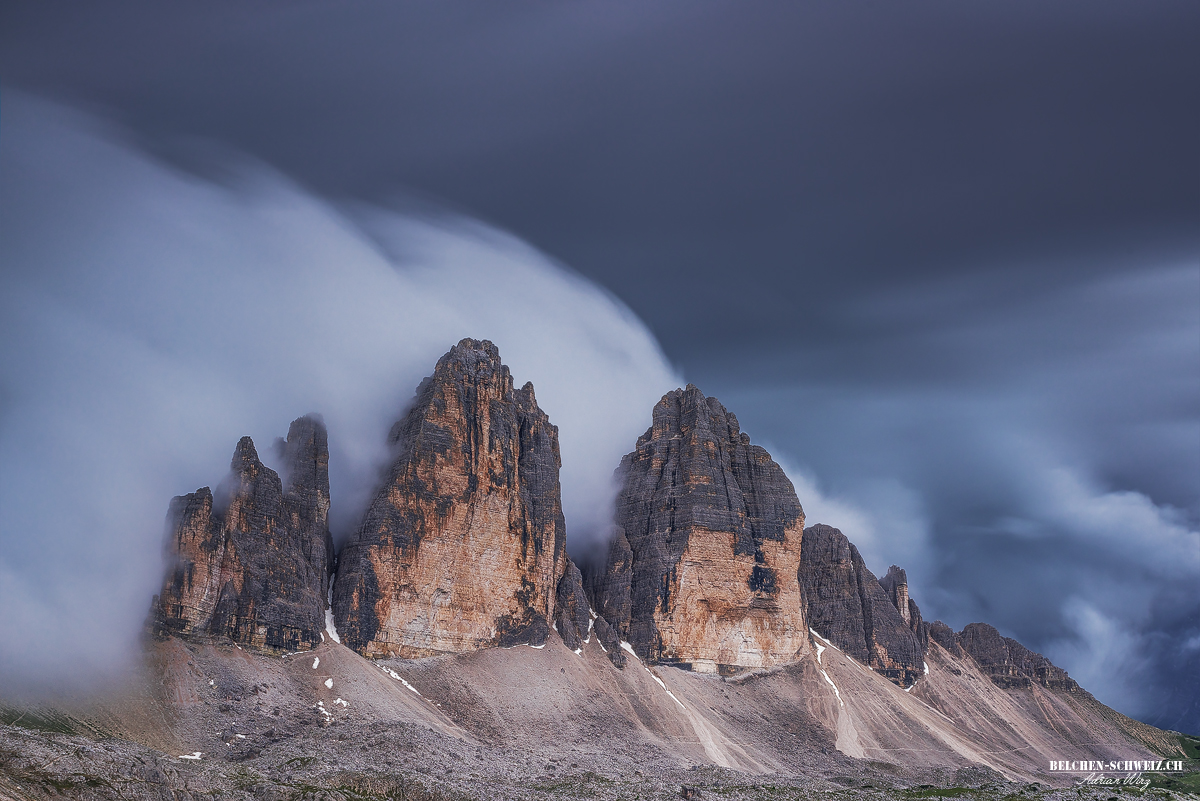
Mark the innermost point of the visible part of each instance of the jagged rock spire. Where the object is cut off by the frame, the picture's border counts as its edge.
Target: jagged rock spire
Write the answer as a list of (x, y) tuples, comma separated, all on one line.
[(849, 607), (464, 545), (254, 567), (702, 569)]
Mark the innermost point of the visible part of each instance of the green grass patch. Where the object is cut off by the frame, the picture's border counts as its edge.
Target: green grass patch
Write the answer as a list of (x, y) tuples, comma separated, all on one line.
[(1191, 746), (1176, 782)]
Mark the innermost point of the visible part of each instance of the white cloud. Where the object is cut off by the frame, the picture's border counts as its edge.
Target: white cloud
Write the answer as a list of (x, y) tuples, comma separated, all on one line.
[(150, 319)]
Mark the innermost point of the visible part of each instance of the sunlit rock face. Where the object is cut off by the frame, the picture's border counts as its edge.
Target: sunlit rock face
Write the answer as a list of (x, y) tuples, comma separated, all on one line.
[(464, 545), (252, 564), (848, 606), (702, 568)]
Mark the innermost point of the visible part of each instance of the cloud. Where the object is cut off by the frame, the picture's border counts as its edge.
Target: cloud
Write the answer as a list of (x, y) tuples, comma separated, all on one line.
[(151, 317)]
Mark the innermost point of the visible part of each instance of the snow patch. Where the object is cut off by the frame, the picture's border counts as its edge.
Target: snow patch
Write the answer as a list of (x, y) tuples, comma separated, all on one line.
[(240, 736), (820, 650), (396, 676), (926, 665), (822, 639), (578, 652), (329, 626), (834, 686), (194, 755), (316, 661), (657, 679), (627, 647), (329, 684), (338, 701), (908, 689), (539, 647)]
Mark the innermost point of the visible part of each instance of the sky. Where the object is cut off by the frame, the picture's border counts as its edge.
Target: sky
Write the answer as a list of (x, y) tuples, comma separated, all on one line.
[(942, 259)]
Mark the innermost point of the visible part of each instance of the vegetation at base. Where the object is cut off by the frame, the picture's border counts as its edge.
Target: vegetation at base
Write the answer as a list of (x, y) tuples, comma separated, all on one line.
[(1176, 782), (1191, 746)]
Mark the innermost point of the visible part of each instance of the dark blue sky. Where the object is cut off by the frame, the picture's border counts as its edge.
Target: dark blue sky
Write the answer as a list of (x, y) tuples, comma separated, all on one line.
[(942, 258)]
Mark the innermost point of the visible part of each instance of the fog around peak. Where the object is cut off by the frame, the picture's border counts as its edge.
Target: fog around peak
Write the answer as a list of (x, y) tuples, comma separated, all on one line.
[(152, 317)]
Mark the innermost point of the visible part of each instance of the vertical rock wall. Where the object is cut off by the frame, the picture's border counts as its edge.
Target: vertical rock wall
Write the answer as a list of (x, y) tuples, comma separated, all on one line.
[(702, 568), (895, 584), (464, 545), (849, 607), (253, 565)]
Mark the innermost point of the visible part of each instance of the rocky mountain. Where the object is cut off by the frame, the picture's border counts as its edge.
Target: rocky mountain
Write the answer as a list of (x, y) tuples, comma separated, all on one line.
[(251, 564), (895, 584), (845, 604), (701, 570), (464, 545), (463, 548), (1008, 663)]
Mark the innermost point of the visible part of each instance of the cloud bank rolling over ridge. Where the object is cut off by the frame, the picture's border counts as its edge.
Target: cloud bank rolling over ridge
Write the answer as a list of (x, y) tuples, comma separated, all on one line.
[(151, 318)]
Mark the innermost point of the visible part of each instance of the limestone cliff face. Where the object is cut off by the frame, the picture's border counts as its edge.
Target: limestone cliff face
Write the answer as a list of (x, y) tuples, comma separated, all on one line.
[(464, 544), (1008, 663), (702, 568), (254, 569), (849, 607), (895, 585)]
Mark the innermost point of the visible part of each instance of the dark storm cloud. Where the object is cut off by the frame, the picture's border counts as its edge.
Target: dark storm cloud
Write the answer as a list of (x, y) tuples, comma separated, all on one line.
[(942, 257)]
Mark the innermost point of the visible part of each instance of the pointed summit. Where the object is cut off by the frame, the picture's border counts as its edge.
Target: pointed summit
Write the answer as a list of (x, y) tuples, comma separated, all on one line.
[(702, 569), (464, 545), (255, 571)]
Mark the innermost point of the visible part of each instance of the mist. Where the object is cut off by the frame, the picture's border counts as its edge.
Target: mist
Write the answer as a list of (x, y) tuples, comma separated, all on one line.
[(153, 315)]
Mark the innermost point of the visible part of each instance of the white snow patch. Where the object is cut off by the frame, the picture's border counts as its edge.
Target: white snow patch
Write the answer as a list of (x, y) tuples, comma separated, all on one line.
[(578, 652), (822, 639), (396, 676), (554, 625), (322, 635), (820, 650), (316, 661), (626, 646), (329, 684), (210, 683), (926, 664), (338, 701), (591, 612), (194, 755), (660, 681), (602, 648), (539, 647), (908, 689), (834, 686), (329, 626), (240, 736)]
